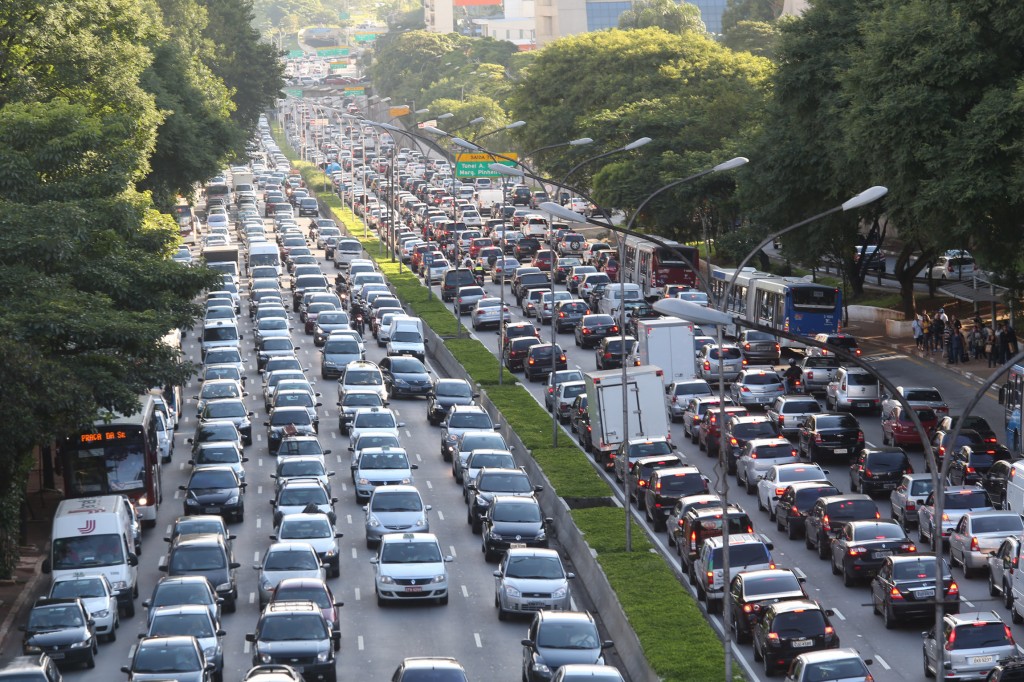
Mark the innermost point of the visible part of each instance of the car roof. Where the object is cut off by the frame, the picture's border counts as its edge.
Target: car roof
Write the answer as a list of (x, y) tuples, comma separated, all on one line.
[(790, 605)]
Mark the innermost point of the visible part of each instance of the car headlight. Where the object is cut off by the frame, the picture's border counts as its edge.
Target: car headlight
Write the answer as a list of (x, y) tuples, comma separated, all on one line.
[(210, 653), (400, 381), (373, 522), (232, 500), (512, 592), (119, 585), (542, 534), (387, 580), (406, 480), (101, 614), (266, 658), (192, 502), (439, 578), (82, 644), (362, 481), (331, 552), (33, 649), (322, 656), (482, 501), (560, 593), (421, 521), (493, 536), (224, 587), (541, 668)]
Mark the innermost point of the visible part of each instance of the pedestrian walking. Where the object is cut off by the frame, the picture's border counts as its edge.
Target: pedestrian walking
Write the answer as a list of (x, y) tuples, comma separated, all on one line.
[(956, 347), (938, 330), (926, 332), (916, 327)]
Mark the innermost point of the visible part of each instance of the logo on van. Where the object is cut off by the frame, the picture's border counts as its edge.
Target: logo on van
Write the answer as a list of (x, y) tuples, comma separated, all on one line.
[(89, 527)]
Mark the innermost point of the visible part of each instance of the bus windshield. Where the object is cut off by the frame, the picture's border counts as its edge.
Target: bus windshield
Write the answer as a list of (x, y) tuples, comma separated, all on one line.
[(813, 298), (108, 468)]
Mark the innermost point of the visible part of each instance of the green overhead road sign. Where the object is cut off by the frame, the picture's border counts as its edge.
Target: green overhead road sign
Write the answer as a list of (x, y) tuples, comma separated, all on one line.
[(344, 16), (332, 52), (293, 92), (294, 54), (365, 37), (478, 165)]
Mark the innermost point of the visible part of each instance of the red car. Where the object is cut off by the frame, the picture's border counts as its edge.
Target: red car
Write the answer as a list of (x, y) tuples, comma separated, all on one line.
[(897, 429), (611, 268), (544, 259)]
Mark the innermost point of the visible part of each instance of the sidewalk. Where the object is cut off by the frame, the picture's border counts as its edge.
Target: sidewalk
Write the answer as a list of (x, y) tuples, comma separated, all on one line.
[(18, 593), (872, 335)]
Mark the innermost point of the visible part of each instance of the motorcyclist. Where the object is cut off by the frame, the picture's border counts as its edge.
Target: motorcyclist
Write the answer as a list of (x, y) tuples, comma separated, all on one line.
[(793, 375)]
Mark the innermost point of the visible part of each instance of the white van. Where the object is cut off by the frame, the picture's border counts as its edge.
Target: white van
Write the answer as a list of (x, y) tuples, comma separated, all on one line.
[(405, 337), (164, 435), (265, 254), (1015, 488), (93, 536), (614, 293)]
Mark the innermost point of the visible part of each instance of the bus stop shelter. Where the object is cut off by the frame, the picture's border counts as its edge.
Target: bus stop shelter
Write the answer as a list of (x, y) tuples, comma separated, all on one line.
[(978, 291)]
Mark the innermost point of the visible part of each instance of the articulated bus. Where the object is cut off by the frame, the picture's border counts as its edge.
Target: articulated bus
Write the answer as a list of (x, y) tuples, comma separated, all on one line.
[(118, 455), (788, 304), (653, 266), (1010, 397)]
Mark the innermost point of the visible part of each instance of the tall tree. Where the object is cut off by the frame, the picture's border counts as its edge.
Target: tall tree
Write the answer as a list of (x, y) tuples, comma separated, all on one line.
[(749, 10), (756, 37), (674, 17)]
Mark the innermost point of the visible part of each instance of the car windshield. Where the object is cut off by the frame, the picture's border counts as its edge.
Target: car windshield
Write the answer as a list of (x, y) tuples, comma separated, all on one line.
[(795, 474), (534, 568), (204, 479), (411, 553), (496, 460), (293, 627), (223, 356), (195, 624), (771, 584), (376, 441), (453, 389), (396, 502), (407, 365), (837, 421), (188, 559), (852, 510), (746, 554), (827, 671), (374, 420), (517, 513), (923, 395), (305, 529), (384, 460), (341, 347), (300, 447), (57, 617), (507, 483), (291, 469), (291, 560), (799, 623), (332, 317), (782, 450), (272, 323), (79, 587), (171, 594), (659, 447), (861, 379), (967, 499), (283, 417), (753, 430), (407, 337), (1010, 524), (887, 461), (158, 658), (980, 635), (362, 377), (229, 409), (681, 486), (218, 454), (361, 400), (568, 636), (766, 379), (470, 420), (187, 525)]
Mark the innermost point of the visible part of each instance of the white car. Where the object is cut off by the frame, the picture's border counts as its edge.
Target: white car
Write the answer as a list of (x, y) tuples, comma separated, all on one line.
[(318, 531), (287, 560), (373, 419), (410, 567), (579, 205), (779, 477), (97, 596)]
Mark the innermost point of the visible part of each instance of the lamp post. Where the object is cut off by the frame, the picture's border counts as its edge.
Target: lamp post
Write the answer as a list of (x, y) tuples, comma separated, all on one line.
[(692, 312), (510, 126)]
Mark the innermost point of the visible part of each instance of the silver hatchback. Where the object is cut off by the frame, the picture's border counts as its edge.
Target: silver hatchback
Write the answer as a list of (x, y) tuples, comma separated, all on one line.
[(968, 647), (529, 580), (728, 357), (395, 509)]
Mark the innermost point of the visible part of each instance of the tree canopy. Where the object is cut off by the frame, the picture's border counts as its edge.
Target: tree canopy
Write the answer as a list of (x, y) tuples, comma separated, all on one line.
[(674, 17)]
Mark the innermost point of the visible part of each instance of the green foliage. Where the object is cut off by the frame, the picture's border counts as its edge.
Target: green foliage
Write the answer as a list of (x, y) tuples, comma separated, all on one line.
[(759, 11), (674, 17), (756, 37)]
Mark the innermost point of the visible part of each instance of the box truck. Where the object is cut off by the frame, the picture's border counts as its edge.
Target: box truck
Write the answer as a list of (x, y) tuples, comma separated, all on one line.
[(486, 198), (645, 400), (668, 343)]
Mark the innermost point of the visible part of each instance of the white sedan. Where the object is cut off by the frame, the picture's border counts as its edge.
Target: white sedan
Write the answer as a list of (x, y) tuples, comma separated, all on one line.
[(97, 596), (775, 481)]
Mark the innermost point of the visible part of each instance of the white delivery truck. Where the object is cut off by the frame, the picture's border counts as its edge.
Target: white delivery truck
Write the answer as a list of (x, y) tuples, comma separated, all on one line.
[(486, 198), (668, 343), (645, 396)]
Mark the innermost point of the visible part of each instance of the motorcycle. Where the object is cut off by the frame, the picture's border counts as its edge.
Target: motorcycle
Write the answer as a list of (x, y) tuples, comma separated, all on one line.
[(479, 279), (795, 386)]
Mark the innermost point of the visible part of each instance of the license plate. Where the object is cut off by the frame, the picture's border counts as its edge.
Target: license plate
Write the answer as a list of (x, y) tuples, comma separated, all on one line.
[(977, 660), (535, 604), (56, 656), (841, 451), (863, 404), (414, 588), (889, 486), (211, 510), (924, 594), (882, 554), (801, 643)]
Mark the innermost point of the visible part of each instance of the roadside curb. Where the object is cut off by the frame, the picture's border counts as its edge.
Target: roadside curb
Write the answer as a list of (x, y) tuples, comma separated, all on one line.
[(27, 591)]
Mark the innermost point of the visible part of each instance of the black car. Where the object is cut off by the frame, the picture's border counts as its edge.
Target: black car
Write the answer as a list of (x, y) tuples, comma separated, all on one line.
[(297, 634), (527, 247), (516, 351), (862, 546), (308, 207), (971, 422), (528, 281), (829, 435), (666, 487), (970, 438), (740, 429), (539, 363), (515, 330), (754, 591), (790, 628), (206, 555), (904, 588), (641, 469), (592, 328), (491, 483), (796, 502), (700, 523), (448, 392), (969, 465), (287, 421), (828, 516), (877, 471), (405, 376), (513, 521), (609, 352), (568, 313), (215, 489), (352, 401), (63, 629)]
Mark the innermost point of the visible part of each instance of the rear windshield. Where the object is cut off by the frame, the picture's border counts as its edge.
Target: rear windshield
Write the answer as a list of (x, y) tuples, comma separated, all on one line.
[(761, 379), (921, 487), (806, 498), (755, 430), (841, 421), (923, 395), (1008, 523), (887, 461), (743, 555), (759, 336), (858, 379), (852, 510), (772, 584), (799, 623), (775, 451), (914, 570), (822, 361), (727, 353), (696, 388), (800, 407), (981, 635), (682, 485), (923, 415), (659, 447), (984, 460)]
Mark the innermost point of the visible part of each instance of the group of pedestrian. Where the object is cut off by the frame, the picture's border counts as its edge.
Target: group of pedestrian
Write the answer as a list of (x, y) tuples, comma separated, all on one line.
[(946, 334)]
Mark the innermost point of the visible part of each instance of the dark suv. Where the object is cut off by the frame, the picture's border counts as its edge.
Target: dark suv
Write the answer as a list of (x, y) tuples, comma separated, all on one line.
[(538, 362), (527, 247), (740, 429), (828, 516), (491, 483), (796, 502), (877, 471), (701, 523), (517, 350), (295, 633), (207, 555), (454, 280), (785, 628), (666, 487)]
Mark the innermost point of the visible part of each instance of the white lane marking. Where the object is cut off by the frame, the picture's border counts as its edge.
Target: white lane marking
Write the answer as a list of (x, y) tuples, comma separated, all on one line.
[(131, 651), (451, 548), (344, 487), (256, 556), (419, 458), (476, 638), (969, 604), (465, 592), (252, 597), (839, 614), (333, 435), (881, 661), (358, 594), (259, 437), (440, 515), (429, 486), (245, 648), (348, 518), (177, 494), (359, 642), (572, 604), (259, 490), (354, 555), (259, 461), (801, 574), (408, 433), (168, 531), (181, 467), (259, 522)]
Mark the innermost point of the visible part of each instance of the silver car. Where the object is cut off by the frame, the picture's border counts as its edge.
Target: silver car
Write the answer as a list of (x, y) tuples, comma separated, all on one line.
[(410, 567), (979, 534), (473, 440), (190, 620), (395, 509), (731, 362), (531, 579), (968, 646), (220, 452), (378, 467), (757, 387), (759, 455), (317, 530), (679, 394), (287, 560)]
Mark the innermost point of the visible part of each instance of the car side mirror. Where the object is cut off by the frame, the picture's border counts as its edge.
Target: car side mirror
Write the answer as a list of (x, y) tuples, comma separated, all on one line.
[(141, 635), (162, 568), (133, 560), (527, 643), (47, 566), (126, 669), (374, 560), (250, 636), (273, 538), (607, 644), (829, 612), (181, 487)]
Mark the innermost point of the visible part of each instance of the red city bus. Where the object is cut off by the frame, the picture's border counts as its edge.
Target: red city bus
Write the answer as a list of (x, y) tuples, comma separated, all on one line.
[(653, 266), (119, 455)]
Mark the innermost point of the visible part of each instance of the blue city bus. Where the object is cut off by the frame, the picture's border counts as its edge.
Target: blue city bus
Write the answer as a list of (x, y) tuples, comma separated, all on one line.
[(788, 304), (1010, 398)]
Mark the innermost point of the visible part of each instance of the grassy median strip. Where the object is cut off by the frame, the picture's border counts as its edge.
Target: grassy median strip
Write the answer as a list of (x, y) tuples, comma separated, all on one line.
[(677, 640)]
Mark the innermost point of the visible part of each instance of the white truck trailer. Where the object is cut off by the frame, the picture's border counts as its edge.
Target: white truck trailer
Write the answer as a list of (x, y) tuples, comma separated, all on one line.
[(668, 343), (645, 401)]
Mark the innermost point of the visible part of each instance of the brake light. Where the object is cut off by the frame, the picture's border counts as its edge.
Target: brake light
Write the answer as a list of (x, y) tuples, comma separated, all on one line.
[(894, 593), (829, 631), (782, 419), (794, 509), (854, 551), (974, 545), (867, 473), (773, 637), (744, 389), (952, 640), (615, 329), (707, 366), (779, 491), (910, 506), (817, 438), (711, 578), (970, 470), (732, 441), (860, 436), (824, 520), (953, 589)]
